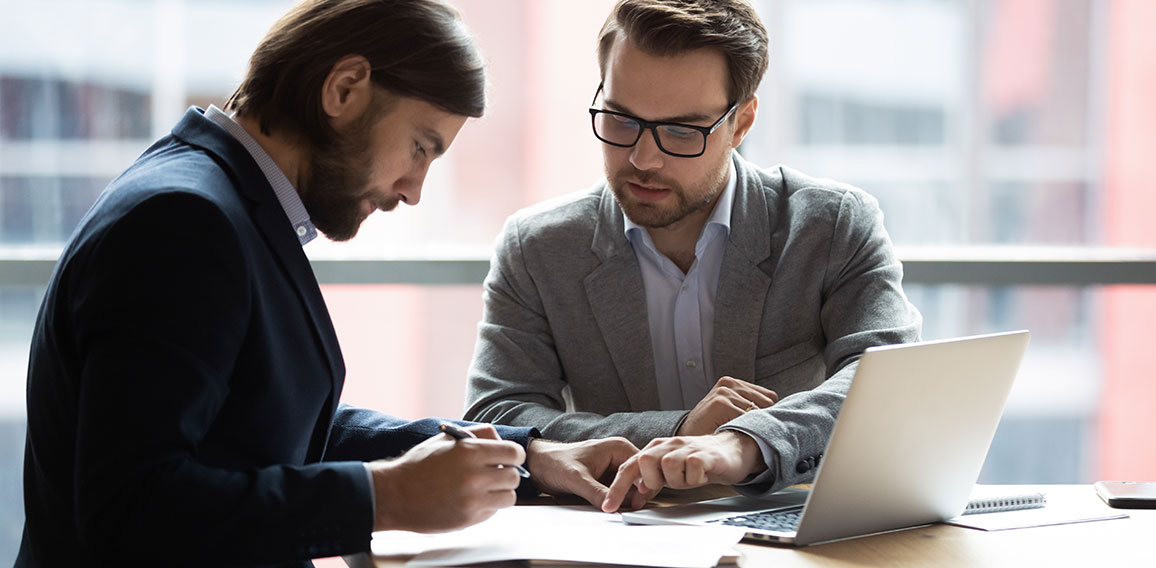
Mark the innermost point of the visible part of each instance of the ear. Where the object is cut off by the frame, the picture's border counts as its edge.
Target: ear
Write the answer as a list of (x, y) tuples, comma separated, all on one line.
[(745, 119), (347, 91)]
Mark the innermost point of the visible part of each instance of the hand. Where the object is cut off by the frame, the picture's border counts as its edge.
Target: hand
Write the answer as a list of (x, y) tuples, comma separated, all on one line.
[(444, 484), (582, 468), (684, 462), (727, 400)]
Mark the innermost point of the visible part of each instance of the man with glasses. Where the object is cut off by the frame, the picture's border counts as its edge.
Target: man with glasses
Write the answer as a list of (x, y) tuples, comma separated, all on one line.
[(691, 301)]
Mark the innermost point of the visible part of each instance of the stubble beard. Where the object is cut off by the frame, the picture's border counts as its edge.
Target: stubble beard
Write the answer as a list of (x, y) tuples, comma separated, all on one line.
[(659, 215)]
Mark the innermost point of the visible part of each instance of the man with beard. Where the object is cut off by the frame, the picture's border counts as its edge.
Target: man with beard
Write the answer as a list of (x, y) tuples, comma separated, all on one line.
[(184, 380), (692, 301)]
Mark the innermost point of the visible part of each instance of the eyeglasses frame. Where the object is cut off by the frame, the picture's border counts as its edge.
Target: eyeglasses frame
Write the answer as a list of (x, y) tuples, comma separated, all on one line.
[(652, 126)]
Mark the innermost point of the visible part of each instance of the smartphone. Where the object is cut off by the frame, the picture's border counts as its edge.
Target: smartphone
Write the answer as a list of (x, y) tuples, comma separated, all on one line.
[(1127, 494)]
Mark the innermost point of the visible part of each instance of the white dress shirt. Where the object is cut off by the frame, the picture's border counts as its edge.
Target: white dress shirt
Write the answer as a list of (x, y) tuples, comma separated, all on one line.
[(681, 306), (681, 312)]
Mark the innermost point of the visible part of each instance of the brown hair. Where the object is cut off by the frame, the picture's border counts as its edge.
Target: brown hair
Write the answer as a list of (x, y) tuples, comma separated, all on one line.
[(416, 48), (670, 27)]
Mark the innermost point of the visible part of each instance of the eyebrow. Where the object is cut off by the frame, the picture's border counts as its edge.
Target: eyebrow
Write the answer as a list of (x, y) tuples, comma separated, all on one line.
[(435, 140), (682, 118)]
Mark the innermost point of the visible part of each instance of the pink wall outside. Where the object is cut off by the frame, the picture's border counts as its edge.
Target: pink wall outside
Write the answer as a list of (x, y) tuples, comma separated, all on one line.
[(1127, 417)]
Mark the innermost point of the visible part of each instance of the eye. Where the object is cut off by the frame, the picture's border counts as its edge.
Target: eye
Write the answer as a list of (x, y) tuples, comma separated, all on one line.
[(679, 131), (418, 150), (624, 121)]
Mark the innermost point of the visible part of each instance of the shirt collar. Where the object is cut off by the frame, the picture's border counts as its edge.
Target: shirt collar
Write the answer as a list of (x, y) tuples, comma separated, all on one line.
[(286, 194), (722, 210)]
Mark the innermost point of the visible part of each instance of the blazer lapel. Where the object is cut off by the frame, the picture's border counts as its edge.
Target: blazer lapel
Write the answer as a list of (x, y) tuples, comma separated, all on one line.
[(742, 285), (270, 219), (618, 301)]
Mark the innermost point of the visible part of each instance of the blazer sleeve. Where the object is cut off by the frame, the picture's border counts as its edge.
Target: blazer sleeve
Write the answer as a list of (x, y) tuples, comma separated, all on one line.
[(863, 305), (159, 308), (517, 377), (365, 435)]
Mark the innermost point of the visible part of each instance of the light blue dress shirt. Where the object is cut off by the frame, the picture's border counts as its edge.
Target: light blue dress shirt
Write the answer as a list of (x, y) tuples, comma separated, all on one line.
[(681, 306), (681, 312)]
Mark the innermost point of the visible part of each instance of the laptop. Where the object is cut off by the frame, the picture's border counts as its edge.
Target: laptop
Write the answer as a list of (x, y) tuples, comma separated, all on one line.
[(906, 449)]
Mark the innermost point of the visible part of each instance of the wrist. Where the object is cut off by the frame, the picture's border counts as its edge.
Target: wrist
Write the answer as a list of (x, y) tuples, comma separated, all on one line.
[(384, 518), (751, 461), (536, 450)]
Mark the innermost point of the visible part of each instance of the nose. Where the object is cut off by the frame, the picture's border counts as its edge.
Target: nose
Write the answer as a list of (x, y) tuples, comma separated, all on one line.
[(409, 187), (645, 155)]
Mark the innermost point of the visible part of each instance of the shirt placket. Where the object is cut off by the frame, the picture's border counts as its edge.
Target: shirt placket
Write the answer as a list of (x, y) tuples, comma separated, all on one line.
[(688, 339)]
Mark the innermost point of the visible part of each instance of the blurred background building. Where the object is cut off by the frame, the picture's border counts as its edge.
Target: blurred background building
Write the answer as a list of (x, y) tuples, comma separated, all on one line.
[(1015, 136)]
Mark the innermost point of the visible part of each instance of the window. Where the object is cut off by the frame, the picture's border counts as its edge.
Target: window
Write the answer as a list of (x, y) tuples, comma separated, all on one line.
[(984, 124), (979, 126)]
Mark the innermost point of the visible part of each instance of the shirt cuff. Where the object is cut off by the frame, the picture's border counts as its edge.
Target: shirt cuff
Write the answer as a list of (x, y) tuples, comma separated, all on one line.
[(372, 493), (678, 426), (768, 476)]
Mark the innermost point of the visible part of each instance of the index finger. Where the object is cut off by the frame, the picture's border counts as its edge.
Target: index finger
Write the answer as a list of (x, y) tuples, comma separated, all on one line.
[(627, 475), (493, 453)]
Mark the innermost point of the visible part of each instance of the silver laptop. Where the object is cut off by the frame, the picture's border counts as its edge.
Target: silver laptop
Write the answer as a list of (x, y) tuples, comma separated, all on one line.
[(906, 449)]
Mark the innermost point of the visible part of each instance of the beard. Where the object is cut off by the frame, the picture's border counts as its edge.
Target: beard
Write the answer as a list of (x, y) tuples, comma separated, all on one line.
[(687, 200), (336, 183)]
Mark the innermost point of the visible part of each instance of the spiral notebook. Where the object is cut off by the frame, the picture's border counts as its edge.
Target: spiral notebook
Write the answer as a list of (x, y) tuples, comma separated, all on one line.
[(994, 499), (1023, 507)]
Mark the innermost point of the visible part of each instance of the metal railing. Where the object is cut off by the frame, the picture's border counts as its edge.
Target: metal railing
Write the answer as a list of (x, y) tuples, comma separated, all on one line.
[(990, 266)]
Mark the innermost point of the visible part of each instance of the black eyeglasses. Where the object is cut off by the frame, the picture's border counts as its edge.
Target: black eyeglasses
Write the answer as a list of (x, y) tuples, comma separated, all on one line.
[(679, 140)]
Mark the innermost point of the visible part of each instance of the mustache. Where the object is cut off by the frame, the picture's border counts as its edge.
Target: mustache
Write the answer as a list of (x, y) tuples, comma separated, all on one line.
[(633, 174), (387, 205)]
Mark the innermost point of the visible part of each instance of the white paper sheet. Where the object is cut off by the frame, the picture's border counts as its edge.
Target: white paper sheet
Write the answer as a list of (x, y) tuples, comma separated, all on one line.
[(568, 534), (1059, 510)]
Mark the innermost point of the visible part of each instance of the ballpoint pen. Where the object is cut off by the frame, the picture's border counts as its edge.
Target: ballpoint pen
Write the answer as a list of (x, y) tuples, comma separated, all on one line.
[(459, 433)]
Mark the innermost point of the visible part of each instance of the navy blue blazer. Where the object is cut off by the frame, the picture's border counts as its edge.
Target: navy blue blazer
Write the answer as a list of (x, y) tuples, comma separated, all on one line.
[(184, 380)]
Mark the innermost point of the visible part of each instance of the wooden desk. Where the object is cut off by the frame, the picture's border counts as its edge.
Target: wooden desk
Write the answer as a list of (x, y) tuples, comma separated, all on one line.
[(1123, 542)]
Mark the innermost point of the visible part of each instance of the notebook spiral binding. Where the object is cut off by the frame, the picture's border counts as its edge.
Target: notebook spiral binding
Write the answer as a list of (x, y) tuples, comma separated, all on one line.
[(1008, 503)]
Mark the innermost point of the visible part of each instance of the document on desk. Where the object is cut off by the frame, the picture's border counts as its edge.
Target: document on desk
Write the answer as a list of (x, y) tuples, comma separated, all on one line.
[(1058, 510), (562, 534)]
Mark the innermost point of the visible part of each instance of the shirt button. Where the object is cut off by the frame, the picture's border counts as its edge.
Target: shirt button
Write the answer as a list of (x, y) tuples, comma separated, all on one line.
[(301, 231), (690, 363)]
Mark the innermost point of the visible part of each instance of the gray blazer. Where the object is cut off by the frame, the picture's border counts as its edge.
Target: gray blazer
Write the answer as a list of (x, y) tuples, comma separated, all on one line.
[(808, 281)]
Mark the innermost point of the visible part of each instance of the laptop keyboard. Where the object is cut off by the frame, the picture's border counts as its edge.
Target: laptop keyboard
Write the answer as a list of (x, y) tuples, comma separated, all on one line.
[(785, 520)]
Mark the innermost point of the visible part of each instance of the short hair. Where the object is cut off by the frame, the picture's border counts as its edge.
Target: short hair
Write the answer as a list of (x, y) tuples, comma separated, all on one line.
[(671, 27), (416, 48)]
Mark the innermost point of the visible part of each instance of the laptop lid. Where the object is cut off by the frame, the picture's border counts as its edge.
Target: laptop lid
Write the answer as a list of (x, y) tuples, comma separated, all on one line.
[(907, 447)]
